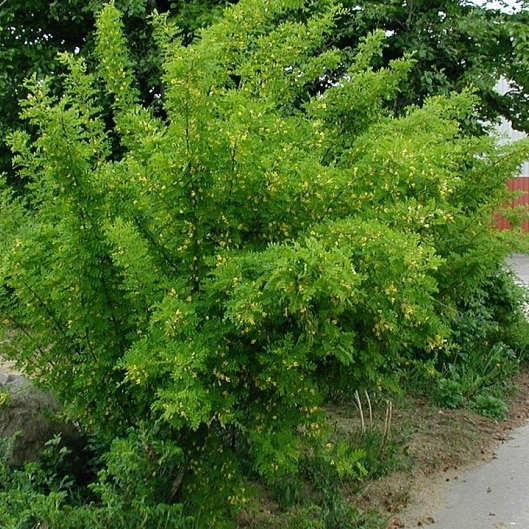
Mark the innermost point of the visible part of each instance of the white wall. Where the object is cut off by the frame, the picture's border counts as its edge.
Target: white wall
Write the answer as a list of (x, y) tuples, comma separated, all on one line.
[(505, 127)]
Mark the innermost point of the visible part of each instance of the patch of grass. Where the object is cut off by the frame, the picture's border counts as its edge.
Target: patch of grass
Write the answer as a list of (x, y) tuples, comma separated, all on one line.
[(338, 515)]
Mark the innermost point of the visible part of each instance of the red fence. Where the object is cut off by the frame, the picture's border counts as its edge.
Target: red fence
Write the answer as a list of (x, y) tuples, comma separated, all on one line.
[(516, 184)]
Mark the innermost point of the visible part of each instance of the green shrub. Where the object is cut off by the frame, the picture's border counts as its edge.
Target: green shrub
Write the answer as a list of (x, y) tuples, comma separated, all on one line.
[(490, 406), (47, 493), (191, 286)]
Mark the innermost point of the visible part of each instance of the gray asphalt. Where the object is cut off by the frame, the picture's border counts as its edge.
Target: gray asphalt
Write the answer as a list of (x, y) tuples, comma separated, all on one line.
[(495, 495), (520, 264)]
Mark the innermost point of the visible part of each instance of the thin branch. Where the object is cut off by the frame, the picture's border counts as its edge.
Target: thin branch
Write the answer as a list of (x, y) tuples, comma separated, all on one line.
[(359, 404), (89, 343), (370, 409), (23, 330), (48, 311), (387, 428), (157, 246)]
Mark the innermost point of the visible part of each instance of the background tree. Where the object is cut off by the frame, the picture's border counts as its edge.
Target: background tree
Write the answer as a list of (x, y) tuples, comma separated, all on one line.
[(455, 45), (514, 105)]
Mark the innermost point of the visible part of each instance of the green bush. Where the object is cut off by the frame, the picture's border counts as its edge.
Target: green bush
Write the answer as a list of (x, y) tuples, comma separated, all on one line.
[(480, 378), (192, 285), (49, 493)]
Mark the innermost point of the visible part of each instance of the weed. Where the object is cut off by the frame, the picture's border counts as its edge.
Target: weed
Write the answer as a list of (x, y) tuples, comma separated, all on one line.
[(479, 380), (490, 406), (334, 515), (5, 398), (381, 451), (290, 491)]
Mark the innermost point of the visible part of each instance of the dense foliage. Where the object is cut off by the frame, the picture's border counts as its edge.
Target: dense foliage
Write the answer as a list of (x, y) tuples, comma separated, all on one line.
[(456, 44), (34, 32), (193, 284)]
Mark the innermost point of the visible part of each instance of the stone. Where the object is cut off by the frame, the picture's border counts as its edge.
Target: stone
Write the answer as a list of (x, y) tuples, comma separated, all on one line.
[(29, 414)]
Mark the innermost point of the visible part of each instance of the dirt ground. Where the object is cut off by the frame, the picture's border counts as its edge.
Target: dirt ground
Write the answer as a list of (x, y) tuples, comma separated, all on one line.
[(443, 444), (8, 368)]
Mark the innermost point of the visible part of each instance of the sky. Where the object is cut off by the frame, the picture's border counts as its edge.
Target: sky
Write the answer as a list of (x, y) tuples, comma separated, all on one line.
[(508, 5)]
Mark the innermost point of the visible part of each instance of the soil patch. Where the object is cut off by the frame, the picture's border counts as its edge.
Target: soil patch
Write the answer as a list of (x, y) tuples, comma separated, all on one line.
[(8, 368)]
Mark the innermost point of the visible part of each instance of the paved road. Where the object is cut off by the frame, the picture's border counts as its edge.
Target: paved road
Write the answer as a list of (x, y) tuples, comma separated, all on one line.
[(520, 264), (495, 495)]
